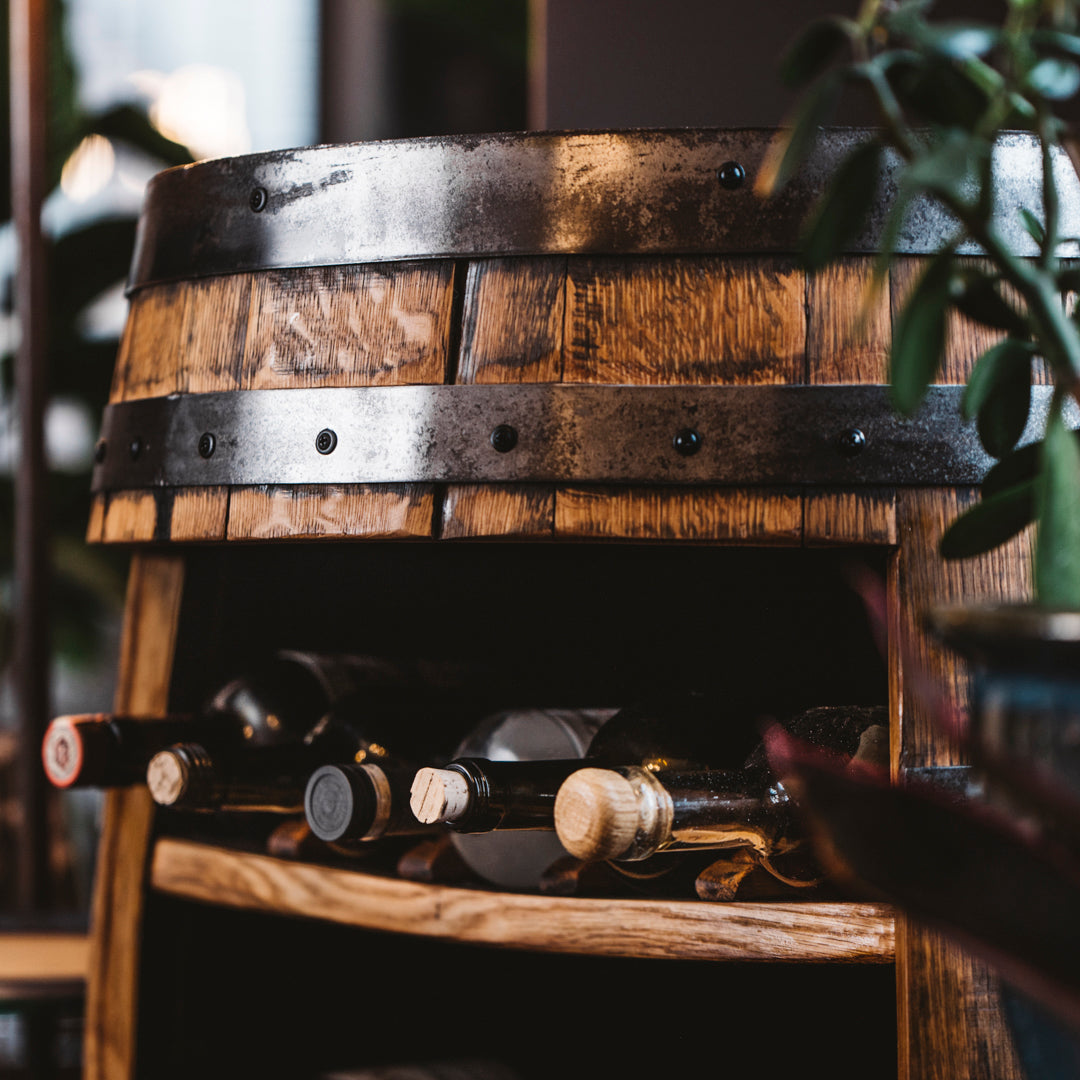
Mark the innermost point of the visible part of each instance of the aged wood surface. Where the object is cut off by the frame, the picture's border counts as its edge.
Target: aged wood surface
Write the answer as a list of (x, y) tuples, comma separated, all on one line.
[(848, 328), (601, 927), (733, 515), (382, 511), (145, 668), (322, 326), (687, 320), (949, 1017), (512, 319)]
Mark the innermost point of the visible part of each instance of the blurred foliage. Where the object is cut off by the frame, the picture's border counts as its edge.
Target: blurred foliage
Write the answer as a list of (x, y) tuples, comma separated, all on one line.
[(944, 90), (83, 263)]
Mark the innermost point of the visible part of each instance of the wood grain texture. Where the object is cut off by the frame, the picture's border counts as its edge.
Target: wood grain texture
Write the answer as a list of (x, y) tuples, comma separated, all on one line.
[(926, 581), (95, 523), (151, 617), (597, 927), (511, 511), (866, 516), (736, 515), (375, 511), (327, 326), (937, 985), (348, 326), (511, 332), (150, 360), (965, 340), (740, 319), (129, 517), (199, 514), (949, 1015), (848, 324), (512, 321)]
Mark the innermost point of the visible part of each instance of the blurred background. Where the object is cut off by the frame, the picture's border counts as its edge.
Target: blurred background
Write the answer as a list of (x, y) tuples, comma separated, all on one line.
[(137, 86)]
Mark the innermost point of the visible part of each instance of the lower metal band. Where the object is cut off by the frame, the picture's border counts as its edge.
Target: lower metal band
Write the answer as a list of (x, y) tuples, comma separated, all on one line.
[(745, 435)]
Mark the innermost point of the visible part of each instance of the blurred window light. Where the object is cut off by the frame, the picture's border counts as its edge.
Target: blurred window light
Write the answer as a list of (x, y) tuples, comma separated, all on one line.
[(88, 169), (201, 106)]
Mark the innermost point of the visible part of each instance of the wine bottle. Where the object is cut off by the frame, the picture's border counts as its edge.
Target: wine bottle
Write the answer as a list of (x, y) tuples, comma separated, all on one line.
[(273, 703), (101, 750), (630, 813), (344, 758), (517, 859), (483, 793)]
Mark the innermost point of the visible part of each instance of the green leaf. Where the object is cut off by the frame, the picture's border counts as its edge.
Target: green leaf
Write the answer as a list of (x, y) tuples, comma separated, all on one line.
[(940, 91), (919, 335), (843, 208), (1057, 547), (959, 40), (999, 393), (977, 296), (812, 52), (1018, 467), (1054, 79), (131, 125), (786, 156), (954, 165), (1056, 41), (989, 523), (1033, 226)]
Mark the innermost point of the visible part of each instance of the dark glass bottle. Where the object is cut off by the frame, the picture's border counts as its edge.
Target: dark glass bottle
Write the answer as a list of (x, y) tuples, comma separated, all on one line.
[(629, 813), (475, 793), (344, 757), (273, 703)]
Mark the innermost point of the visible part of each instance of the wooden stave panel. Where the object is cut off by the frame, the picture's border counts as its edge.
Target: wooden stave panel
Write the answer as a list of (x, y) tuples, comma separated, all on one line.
[(151, 619), (279, 329), (511, 332)]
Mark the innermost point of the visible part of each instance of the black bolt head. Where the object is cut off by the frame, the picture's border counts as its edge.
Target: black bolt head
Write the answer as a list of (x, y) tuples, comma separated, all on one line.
[(850, 442), (207, 443), (326, 441), (99, 451), (504, 438), (257, 199), (687, 442), (135, 448), (731, 175)]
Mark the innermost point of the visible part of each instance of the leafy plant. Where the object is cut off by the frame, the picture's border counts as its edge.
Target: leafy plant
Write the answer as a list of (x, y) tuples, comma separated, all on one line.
[(943, 92)]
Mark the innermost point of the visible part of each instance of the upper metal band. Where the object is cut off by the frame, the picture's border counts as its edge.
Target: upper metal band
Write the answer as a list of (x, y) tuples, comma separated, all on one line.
[(746, 435), (603, 193)]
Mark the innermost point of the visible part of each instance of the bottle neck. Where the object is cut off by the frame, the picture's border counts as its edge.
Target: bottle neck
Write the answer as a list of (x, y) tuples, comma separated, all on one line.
[(478, 795), (103, 750), (633, 813), (187, 777)]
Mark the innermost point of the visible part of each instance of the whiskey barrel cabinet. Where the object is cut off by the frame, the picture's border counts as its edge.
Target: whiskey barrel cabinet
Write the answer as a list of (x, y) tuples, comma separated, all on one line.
[(565, 403)]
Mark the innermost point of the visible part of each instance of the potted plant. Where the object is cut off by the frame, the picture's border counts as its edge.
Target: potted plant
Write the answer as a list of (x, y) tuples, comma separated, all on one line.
[(944, 92)]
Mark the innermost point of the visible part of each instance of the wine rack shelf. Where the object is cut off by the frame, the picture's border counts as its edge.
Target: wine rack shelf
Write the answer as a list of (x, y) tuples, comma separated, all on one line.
[(672, 929)]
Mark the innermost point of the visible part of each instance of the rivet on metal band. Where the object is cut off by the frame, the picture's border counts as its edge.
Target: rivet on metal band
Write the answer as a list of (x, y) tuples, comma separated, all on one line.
[(759, 435)]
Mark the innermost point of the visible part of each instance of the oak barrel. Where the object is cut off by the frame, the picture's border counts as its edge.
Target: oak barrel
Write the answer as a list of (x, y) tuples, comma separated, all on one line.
[(586, 336), (569, 261)]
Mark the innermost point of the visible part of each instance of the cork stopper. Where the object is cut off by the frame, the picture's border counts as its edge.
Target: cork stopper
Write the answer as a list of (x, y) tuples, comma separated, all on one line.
[(169, 775), (597, 814), (439, 795)]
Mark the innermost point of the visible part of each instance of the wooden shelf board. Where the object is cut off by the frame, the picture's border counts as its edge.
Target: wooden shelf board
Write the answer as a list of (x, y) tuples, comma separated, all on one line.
[(42, 958), (671, 929)]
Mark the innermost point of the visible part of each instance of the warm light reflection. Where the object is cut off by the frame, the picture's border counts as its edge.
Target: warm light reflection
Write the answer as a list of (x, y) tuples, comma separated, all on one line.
[(88, 169), (199, 105)]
